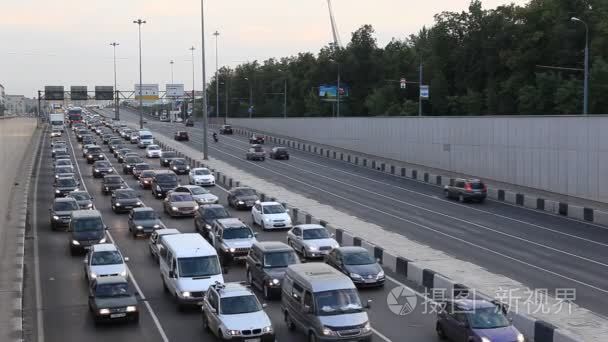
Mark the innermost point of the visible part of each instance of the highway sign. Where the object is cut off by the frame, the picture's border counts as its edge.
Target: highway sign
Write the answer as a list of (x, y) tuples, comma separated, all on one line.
[(104, 93), (174, 90), (424, 91), (149, 92), (53, 93), (78, 93)]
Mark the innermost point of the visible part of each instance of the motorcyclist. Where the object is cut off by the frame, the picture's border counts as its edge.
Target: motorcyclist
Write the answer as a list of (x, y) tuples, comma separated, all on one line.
[(214, 136)]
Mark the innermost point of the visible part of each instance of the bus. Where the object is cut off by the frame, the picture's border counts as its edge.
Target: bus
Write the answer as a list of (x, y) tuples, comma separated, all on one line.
[(74, 115)]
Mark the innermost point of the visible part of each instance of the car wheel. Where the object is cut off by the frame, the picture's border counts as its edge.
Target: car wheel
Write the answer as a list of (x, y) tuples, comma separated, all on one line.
[(263, 225), (312, 337), (461, 198), (287, 158), (303, 252), (288, 322), (253, 220), (446, 193), (440, 332)]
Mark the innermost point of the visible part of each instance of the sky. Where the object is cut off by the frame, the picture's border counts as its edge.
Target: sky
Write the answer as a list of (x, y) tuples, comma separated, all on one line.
[(67, 42)]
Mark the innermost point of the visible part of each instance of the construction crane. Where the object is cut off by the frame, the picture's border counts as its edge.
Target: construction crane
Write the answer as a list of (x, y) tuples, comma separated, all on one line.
[(334, 27)]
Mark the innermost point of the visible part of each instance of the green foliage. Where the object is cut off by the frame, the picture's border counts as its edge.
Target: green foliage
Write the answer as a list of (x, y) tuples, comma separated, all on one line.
[(476, 62)]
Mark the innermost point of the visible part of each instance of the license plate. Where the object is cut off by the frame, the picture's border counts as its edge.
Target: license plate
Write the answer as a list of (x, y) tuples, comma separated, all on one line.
[(129, 207), (118, 315), (252, 340), (370, 280)]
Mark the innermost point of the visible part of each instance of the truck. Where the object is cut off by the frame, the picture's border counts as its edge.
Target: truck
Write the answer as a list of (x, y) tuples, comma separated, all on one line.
[(57, 120)]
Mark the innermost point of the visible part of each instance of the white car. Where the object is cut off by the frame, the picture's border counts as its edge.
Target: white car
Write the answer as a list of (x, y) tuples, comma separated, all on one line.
[(155, 239), (56, 132), (200, 195), (311, 240), (153, 151), (270, 215), (104, 260), (201, 176)]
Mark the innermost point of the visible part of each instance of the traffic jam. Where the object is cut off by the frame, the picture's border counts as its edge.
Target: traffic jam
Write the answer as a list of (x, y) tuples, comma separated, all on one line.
[(317, 285)]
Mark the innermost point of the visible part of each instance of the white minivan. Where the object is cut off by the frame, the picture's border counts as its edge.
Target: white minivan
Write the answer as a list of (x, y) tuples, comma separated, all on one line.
[(188, 266), (145, 139)]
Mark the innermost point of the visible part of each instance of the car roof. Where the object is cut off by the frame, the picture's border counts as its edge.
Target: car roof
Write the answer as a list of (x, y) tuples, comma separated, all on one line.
[(270, 203), (104, 247), (64, 199), (200, 168), (161, 172), (211, 206), (310, 226), (272, 246), (190, 186), (142, 209), (352, 249), (242, 188), (166, 231), (472, 304), (86, 213), (231, 222), (189, 245), (111, 176), (111, 280), (232, 290), (319, 277), (124, 190)]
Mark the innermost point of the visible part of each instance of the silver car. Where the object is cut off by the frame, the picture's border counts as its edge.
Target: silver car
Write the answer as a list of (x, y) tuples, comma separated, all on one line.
[(104, 260), (200, 195), (311, 240), (155, 236)]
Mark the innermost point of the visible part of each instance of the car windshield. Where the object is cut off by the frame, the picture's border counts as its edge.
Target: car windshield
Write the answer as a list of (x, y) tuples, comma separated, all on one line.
[(142, 167), (227, 127), (65, 206), (89, 224), (126, 194), (147, 174), (169, 154), (358, 258), (144, 215), (487, 318), (316, 233), (94, 150), (133, 160), (112, 180), (257, 149), (166, 178), (179, 162), (80, 196), (280, 259), (112, 290), (64, 169), (337, 302), (239, 305), (199, 191), (63, 162), (237, 233), (181, 197), (103, 164), (153, 148), (281, 149), (245, 192), (146, 136), (106, 258), (273, 209), (202, 172), (216, 213), (66, 182), (199, 266)]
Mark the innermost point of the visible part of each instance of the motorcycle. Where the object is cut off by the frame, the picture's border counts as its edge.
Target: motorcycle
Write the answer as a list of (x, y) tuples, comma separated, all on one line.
[(215, 137)]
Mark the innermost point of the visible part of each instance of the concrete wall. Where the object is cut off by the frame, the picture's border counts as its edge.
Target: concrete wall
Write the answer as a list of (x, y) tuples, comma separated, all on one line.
[(563, 154)]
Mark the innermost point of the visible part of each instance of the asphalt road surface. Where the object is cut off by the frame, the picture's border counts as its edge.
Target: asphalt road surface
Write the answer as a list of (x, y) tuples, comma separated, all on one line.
[(540, 250), (65, 312)]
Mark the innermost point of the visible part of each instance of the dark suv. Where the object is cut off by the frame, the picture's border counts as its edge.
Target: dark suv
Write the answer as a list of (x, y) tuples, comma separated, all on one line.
[(466, 190), (266, 265), (111, 183), (226, 129), (206, 215), (279, 153), (163, 182)]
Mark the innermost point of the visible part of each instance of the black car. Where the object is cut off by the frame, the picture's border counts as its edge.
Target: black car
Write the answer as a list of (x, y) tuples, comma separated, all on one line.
[(61, 212), (181, 135), (84, 200), (113, 144), (138, 168), (106, 138), (122, 153), (110, 299), (206, 215), (101, 168), (86, 229), (226, 129), (189, 122), (111, 183), (179, 166), (144, 220), (80, 133), (129, 163), (266, 265), (166, 157), (93, 154), (163, 182), (279, 153), (242, 198), (123, 200), (358, 264), (87, 140), (65, 185), (466, 190), (61, 154)]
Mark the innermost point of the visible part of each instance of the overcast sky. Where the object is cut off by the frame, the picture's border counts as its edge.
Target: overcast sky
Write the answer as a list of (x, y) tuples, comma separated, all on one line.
[(66, 42)]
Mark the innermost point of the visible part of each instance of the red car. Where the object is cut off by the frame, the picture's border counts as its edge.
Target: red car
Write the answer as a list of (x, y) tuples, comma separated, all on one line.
[(256, 139), (145, 179)]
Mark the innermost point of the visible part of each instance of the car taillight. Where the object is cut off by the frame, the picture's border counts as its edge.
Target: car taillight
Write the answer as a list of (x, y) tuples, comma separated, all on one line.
[(467, 187)]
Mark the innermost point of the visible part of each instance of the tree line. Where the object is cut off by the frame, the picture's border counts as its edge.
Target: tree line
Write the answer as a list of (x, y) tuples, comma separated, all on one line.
[(504, 61)]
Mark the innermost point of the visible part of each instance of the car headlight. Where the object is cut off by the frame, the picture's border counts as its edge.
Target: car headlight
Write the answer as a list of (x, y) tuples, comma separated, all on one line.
[(92, 275), (521, 338), (55, 217), (328, 332), (103, 240), (139, 227), (96, 170), (118, 204), (187, 167), (131, 308), (138, 203), (241, 202), (104, 311), (485, 339), (90, 205), (267, 329), (312, 248), (196, 207), (234, 332), (275, 281), (57, 191), (186, 294), (355, 275), (267, 220), (232, 250), (156, 226), (380, 274), (175, 168), (90, 156), (75, 243), (146, 182), (123, 273), (174, 208), (207, 226), (366, 328)]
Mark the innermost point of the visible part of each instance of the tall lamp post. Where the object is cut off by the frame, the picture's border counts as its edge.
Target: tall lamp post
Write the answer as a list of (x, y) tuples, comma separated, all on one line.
[(172, 62), (217, 77), (284, 94), (116, 100), (250, 97), (192, 51), (586, 86), (204, 79), (139, 22)]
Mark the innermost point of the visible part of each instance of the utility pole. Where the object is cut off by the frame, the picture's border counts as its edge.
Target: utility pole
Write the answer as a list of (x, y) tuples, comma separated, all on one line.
[(205, 137), (172, 62), (116, 100), (139, 22), (192, 51), (419, 94), (217, 78), (586, 86), (285, 99), (338, 91), (250, 97)]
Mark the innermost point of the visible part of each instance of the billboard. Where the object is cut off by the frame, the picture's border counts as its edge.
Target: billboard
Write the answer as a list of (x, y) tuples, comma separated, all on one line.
[(148, 92), (174, 90), (78, 93), (329, 92), (53, 93), (103, 93)]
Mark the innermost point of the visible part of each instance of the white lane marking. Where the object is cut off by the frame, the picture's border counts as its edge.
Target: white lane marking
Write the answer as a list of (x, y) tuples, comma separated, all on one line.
[(38, 288), (444, 200), (450, 216), (143, 297)]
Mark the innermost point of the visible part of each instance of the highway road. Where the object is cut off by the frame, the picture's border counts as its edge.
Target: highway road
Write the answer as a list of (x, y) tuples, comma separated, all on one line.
[(540, 250), (64, 291)]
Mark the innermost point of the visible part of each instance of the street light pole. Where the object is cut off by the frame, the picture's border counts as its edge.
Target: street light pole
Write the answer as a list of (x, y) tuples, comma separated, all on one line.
[(116, 100), (420, 97), (217, 78), (139, 22), (192, 51), (172, 62), (250, 97), (586, 85), (205, 147)]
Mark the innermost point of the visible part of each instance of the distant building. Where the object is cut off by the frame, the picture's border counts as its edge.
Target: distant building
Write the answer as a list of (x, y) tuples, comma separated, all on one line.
[(15, 104), (2, 100)]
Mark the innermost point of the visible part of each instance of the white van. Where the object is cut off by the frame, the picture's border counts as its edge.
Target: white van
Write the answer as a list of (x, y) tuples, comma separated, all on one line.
[(145, 138), (188, 266)]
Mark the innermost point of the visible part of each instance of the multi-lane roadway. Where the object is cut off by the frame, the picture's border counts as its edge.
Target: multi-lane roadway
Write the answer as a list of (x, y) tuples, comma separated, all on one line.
[(535, 248)]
